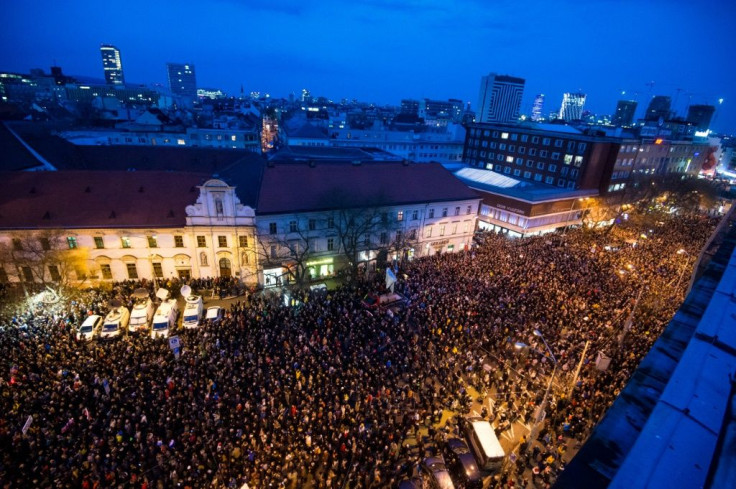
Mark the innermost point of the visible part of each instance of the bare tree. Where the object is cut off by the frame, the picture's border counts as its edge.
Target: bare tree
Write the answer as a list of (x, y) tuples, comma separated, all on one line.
[(47, 257), (291, 249)]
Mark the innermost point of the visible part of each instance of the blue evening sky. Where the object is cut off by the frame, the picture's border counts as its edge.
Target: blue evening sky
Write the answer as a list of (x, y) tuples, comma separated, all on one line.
[(385, 50)]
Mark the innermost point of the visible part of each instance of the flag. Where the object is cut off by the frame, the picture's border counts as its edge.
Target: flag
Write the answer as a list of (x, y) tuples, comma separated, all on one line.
[(390, 279)]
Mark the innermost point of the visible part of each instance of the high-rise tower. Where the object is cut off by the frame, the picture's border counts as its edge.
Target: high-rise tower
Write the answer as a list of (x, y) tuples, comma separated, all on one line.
[(624, 115), (182, 81), (500, 98), (659, 107), (112, 64), (538, 107), (700, 116), (572, 106)]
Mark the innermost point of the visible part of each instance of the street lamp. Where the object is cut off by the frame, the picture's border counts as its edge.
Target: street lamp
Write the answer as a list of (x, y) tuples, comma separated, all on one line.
[(540, 411)]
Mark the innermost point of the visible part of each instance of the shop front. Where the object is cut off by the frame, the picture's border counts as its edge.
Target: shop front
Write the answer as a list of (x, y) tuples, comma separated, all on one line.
[(321, 268)]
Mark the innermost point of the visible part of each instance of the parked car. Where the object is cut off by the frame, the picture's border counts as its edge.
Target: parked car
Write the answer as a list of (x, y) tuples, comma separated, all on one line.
[(462, 464), (436, 471), (115, 323), (215, 313), (90, 328)]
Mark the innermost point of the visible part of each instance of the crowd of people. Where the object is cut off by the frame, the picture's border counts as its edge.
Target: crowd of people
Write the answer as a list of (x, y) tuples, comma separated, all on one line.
[(325, 394)]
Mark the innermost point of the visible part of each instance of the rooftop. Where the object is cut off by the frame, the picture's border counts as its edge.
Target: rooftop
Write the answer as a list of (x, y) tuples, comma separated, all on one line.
[(298, 188)]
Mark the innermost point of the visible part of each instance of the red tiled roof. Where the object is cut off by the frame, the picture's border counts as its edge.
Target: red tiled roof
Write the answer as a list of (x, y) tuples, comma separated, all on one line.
[(86, 199), (297, 188)]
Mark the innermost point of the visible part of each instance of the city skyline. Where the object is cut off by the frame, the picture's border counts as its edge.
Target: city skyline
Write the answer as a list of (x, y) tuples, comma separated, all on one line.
[(382, 51)]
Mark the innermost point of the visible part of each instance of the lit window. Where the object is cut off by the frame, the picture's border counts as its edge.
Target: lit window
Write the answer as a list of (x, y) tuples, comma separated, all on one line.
[(152, 242), (201, 242), (99, 243), (106, 271), (72, 241), (504, 135), (125, 241), (243, 241), (400, 216), (132, 271), (222, 241), (179, 241), (181, 142)]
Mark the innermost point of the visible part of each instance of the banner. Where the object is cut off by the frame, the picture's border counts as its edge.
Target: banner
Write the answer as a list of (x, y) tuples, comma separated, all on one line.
[(27, 425)]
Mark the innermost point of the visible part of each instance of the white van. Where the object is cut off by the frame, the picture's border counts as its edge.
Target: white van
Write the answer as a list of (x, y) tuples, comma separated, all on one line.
[(140, 318), (192, 311), (164, 320), (483, 443), (115, 323), (89, 328)]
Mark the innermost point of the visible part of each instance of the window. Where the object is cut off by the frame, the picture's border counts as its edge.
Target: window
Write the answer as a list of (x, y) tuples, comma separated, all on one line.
[(512, 148), (578, 161), (527, 174), (509, 159), (201, 242), (537, 177), (504, 135), (384, 238), (243, 241), (179, 241), (414, 215), (519, 161), (444, 212), (106, 271), (330, 244), (428, 233), (431, 213), (469, 209), (552, 168), (132, 271), (399, 235), (555, 156), (546, 141), (273, 251), (457, 210), (400, 216), (507, 169), (558, 143), (292, 227), (524, 138), (442, 230), (502, 146), (27, 274), (560, 182), (540, 165), (222, 241), (514, 137), (72, 241), (522, 150), (413, 234), (272, 228), (535, 139), (543, 153), (158, 271), (330, 223), (312, 225), (532, 152), (563, 171), (568, 159), (517, 172), (125, 241), (152, 242), (99, 242), (549, 180), (54, 272)]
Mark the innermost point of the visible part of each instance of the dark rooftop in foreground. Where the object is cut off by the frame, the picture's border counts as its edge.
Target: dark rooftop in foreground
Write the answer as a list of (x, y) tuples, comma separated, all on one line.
[(324, 154), (304, 187)]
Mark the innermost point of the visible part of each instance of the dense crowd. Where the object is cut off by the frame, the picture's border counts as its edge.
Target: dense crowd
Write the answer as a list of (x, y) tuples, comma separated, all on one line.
[(325, 394)]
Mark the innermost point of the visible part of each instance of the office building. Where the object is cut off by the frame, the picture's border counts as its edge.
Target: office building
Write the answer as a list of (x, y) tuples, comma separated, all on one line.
[(624, 115), (538, 107), (499, 100), (572, 106), (659, 108), (700, 116), (182, 81), (112, 65)]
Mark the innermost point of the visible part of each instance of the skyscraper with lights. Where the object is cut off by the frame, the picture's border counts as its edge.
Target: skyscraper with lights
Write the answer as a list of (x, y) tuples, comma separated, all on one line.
[(182, 81), (112, 65), (538, 107), (572, 106), (624, 115), (500, 98)]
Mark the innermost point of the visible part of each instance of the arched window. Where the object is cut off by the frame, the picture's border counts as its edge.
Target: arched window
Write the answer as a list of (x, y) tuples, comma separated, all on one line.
[(203, 259)]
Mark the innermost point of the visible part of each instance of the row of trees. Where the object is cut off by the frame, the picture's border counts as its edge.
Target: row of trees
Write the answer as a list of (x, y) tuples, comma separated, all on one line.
[(352, 235)]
